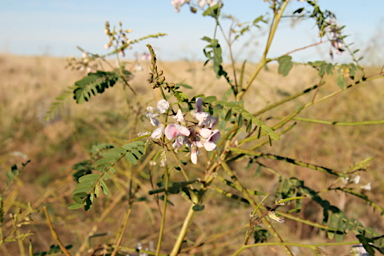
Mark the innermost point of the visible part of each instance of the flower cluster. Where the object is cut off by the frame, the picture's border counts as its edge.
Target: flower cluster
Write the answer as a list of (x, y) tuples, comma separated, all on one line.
[(335, 35), (356, 180), (195, 134), (200, 3)]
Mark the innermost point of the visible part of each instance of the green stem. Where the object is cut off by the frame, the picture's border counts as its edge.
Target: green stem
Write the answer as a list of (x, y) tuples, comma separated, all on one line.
[(164, 211), (287, 159), (313, 247), (336, 122), (183, 232), (264, 60), (254, 205), (191, 213)]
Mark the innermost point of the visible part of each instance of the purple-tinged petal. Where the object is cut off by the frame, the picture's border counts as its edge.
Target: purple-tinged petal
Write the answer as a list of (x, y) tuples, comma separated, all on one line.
[(154, 121), (201, 116), (199, 105), (157, 133), (178, 142), (182, 130), (215, 136), (162, 106)]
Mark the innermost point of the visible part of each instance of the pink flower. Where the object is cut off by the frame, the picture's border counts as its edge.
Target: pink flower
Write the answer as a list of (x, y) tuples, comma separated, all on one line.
[(177, 4), (198, 113), (174, 130)]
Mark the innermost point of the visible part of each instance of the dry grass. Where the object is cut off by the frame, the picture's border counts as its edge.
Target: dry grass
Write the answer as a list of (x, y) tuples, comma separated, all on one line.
[(29, 85)]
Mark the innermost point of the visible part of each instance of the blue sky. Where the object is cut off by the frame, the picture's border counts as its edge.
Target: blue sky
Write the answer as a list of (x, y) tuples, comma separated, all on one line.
[(38, 27)]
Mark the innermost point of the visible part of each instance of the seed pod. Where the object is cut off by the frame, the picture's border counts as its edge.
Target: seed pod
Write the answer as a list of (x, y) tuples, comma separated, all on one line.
[(171, 85), (161, 79)]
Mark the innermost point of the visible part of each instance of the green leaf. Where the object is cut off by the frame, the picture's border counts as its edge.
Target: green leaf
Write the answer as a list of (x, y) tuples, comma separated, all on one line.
[(285, 64), (94, 83), (213, 11), (198, 207), (108, 160), (77, 199), (136, 153), (210, 99), (228, 115), (75, 206), (249, 126), (184, 85), (118, 150), (340, 80), (131, 158), (180, 96), (104, 187), (240, 120), (248, 116), (112, 170)]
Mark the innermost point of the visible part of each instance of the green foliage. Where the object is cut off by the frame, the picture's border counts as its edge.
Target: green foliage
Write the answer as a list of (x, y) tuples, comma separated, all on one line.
[(236, 108), (323, 67), (198, 207), (213, 11), (14, 172), (285, 64), (215, 54), (333, 217), (93, 83), (53, 250), (88, 185), (260, 235), (59, 101)]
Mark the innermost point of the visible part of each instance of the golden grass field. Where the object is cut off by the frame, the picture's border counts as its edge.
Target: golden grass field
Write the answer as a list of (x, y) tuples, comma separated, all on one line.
[(28, 86)]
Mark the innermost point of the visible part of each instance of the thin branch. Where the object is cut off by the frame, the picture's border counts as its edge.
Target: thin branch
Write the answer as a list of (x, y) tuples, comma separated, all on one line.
[(54, 233)]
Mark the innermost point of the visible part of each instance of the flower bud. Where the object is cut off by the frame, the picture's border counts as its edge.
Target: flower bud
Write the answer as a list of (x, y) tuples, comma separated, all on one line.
[(161, 79)]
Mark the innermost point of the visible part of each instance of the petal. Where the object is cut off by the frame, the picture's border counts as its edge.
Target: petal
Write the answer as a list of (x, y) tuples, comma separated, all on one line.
[(210, 121), (194, 156), (367, 187), (157, 133), (178, 142), (209, 146), (199, 104), (205, 132), (171, 131), (215, 136), (201, 116), (162, 105), (179, 116), (182, 130), (154, 121)]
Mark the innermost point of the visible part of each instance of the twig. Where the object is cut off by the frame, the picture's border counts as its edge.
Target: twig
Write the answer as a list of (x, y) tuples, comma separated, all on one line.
[(54, 233), (305, 47)]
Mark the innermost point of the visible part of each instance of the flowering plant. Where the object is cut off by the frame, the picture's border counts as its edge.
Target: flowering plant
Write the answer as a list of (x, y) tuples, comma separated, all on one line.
[(224, 136)]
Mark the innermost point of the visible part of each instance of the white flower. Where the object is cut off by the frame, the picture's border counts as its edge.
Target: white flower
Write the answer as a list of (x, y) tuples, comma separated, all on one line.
[(157, 133), (356, 180), (162, 106), (366, 187)]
